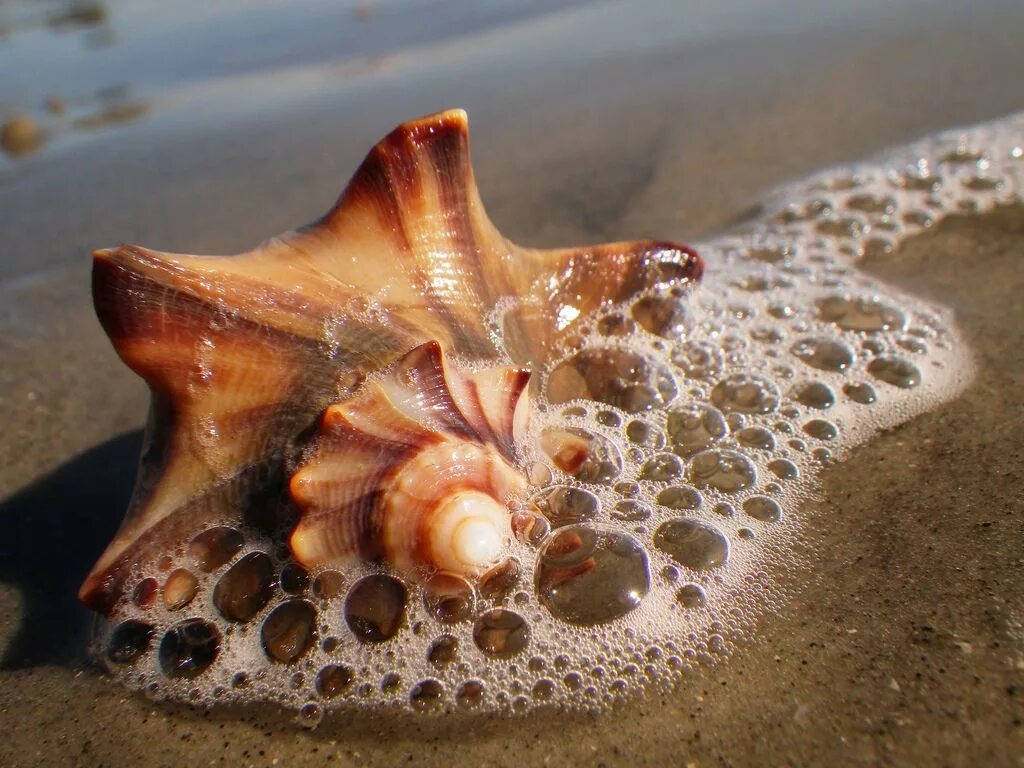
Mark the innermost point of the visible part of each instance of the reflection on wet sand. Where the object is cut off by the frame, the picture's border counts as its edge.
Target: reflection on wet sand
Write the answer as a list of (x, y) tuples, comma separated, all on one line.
[(77, 13), (27, 127), (58, 15), (23, 135), (112, 114)]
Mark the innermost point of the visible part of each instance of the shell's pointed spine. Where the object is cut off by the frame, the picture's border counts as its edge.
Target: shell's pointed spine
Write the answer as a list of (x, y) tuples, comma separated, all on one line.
[(400, 166), (221, 387), (417, 187)]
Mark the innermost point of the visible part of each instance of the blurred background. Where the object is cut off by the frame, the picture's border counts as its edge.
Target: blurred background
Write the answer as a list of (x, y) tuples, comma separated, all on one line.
[(207, 125)]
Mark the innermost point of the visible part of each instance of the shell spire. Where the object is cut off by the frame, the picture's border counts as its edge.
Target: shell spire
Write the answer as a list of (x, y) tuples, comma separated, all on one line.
[(243, 353), (416, 469)]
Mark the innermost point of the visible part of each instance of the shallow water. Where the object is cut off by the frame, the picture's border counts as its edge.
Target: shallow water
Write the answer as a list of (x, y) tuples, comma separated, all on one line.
[(888, 654)]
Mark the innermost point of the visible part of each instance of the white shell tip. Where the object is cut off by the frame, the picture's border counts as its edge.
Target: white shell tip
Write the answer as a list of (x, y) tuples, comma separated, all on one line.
[(476, 540)]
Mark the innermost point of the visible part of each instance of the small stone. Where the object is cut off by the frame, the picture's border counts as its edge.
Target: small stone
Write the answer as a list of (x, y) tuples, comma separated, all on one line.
[(21, 135)]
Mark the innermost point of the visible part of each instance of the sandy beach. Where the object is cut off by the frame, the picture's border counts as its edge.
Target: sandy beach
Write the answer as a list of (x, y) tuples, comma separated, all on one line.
[(903, 645)]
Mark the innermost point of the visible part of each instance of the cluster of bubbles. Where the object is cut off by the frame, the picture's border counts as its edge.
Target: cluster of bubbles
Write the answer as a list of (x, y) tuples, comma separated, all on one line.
[(677, 434)]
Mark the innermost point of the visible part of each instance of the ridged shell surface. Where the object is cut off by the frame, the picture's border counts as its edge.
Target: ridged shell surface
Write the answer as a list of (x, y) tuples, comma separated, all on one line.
[(416, 469)]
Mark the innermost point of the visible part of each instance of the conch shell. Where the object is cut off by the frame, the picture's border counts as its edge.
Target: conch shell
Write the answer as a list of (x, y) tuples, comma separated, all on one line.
[(244, 353), (416, 469)]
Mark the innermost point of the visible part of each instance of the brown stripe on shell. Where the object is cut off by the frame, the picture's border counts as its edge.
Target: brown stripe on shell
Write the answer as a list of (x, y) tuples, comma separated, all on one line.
[(482, 426), (395, 181), (180, 459), (497, 426), (424, 368), (456, 187), (503, 426), (186, 291), (354, 524)]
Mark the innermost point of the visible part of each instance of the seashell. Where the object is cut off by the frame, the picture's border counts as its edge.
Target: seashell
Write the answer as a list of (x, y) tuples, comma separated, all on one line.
[(244, 353), (416, 469)]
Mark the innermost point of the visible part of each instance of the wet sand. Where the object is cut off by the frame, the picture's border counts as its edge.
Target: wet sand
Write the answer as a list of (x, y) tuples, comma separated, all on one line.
[(905, 646)]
